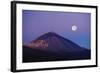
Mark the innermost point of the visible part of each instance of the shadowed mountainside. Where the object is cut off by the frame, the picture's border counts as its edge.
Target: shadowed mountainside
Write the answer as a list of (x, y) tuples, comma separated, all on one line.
[(53, 47)]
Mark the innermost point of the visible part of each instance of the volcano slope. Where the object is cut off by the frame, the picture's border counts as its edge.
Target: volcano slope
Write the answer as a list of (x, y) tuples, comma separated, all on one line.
[(53, 47)]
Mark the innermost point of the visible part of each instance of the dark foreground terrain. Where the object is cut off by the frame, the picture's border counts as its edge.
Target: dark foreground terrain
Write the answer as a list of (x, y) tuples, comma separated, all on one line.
[(30, 55)]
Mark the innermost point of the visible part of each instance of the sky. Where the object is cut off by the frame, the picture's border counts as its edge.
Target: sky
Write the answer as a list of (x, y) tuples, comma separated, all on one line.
[(36, 23)]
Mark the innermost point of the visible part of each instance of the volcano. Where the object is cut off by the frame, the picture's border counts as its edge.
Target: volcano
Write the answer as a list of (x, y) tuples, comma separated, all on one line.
[(53, 47)]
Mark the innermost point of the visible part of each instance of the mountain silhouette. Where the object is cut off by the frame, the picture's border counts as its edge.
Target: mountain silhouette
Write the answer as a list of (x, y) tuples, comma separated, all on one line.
[(53, 47)]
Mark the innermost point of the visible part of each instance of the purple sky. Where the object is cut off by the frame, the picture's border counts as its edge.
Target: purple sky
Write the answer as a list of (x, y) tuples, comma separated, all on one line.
[(36, 23)]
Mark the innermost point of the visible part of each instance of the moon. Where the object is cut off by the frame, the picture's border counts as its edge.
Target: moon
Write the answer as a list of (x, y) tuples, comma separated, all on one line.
[(74, 28)]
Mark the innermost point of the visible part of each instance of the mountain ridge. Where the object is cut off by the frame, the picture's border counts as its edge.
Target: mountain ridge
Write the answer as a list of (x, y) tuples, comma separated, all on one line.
[(52, 45)]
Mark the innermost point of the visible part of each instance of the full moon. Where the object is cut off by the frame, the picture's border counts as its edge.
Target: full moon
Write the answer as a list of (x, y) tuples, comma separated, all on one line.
[(74, 28)]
